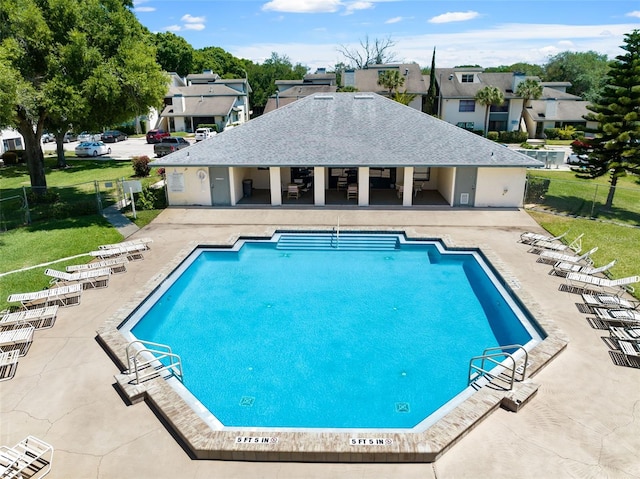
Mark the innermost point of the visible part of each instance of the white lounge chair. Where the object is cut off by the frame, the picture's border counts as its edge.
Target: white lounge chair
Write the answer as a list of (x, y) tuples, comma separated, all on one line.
[(583, 282), (562, 268), (19, 338), (626, 317), (31, 457), (90, 279), (624, 333), (539, 246), (529, 237), (630, 352), (556, 256), (61, 296), (40, 318), (8, 364), (137, 242), (131, 252), (608, 301), (117, 265)]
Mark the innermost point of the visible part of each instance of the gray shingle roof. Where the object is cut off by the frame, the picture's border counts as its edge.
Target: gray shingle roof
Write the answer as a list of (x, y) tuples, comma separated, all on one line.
[(565, 111), (201, 106), (347, 129), (367, 79)]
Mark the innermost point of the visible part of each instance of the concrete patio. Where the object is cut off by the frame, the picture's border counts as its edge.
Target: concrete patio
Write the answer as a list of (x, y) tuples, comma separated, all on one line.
[(583, 422)]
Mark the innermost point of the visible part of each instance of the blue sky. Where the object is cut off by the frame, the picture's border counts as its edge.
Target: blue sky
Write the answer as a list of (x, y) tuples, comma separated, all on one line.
[(488, 33)]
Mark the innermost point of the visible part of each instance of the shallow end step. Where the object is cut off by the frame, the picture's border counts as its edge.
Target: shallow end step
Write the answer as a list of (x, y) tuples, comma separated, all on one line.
[(521, 394)]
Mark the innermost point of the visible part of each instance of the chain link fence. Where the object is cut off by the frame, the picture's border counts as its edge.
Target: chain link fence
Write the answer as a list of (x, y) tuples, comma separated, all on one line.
[(59, 202), (585, 199)]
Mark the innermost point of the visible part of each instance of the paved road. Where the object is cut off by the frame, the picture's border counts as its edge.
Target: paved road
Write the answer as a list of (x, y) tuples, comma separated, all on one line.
[(121, 150)]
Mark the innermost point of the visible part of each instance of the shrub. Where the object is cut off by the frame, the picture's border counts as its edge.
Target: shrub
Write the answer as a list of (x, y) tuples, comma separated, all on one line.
[(536, 189), (151, 199), (48, 198), (552, 133), (493, 135), (566, 133), (141, 165), (513, 136), (10, 158), (478, 132)]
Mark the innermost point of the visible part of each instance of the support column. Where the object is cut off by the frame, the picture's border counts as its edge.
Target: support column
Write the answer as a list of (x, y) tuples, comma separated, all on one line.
[(275, 185), (407, 191), (319, 173), (363, 186)]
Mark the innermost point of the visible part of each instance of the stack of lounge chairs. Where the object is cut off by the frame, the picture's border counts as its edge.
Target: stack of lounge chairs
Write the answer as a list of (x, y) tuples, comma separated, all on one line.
[(39, 309), (603, 297)]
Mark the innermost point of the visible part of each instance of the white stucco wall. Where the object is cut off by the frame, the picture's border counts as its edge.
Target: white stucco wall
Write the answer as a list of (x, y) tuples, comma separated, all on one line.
[(446, 181), (500, 187), (185, 187), (450, 114)]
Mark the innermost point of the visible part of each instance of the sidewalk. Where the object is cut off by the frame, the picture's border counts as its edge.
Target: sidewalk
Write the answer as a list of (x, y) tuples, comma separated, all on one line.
[(119, 221)]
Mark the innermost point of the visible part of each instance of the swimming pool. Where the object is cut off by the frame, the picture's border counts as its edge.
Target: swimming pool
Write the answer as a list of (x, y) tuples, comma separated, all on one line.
[(330, 333)]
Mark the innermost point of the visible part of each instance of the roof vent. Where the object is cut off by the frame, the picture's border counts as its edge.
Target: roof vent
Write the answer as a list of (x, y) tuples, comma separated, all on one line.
[(323, 97), (363, 97)]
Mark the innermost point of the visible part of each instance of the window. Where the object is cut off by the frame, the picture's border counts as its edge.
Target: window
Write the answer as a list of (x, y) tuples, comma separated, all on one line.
[(467, 105), (504, 108), (467, 125), (467, 78)]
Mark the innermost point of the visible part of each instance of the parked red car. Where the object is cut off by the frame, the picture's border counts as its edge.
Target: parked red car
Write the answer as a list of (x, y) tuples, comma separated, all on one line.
[(154, 136)]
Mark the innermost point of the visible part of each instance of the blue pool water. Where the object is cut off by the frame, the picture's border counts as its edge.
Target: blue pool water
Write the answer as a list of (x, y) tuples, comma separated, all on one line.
[(329, 339)]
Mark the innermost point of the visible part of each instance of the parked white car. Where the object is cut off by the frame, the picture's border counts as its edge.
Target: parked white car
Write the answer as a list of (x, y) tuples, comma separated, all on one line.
[(87, 136), (92, 148), (204, 133)]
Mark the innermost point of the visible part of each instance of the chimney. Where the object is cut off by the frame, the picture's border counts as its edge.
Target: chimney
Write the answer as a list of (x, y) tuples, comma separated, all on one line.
[(178, 103), (518, 77), (551, 110), (349, 78)]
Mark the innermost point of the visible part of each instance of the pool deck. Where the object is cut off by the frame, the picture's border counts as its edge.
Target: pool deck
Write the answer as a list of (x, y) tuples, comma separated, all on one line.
[(583, 422)]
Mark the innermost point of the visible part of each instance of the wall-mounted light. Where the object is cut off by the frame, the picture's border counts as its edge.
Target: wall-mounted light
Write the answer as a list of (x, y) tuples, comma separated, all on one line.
[(505, 190)]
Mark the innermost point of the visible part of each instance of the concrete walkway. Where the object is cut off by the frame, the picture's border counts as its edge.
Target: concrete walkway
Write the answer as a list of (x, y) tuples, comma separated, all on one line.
[(583, 422), (119, 221)]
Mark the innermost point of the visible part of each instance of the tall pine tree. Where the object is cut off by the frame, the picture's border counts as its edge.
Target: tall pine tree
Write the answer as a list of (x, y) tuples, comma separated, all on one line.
[(615, 149), (430, 106)]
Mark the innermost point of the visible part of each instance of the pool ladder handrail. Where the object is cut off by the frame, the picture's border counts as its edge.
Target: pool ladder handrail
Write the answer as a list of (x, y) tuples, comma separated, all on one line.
[(490, 355), (140, 360)]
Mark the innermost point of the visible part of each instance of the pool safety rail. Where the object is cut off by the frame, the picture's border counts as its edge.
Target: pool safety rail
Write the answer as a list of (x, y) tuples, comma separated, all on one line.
[(497, 363), (338, 240), (148, 360)]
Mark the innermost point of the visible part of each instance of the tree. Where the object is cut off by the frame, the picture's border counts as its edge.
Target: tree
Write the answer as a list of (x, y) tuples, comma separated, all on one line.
[(86, 63), (174, 53), (218, 61), (527, 68), (585, 70), (430, 102), (489, 96), (403, 97), (369, 53), (615, 149), (391, 80), (528, 89)]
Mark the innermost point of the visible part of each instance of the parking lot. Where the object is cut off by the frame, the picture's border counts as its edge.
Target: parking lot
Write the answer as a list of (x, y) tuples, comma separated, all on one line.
[(123, 150)]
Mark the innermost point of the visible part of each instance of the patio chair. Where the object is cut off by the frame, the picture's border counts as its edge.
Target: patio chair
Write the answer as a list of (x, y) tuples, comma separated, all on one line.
[(541, 245), (90, 279), (62, 296), (562, 268), (31, 457), (116, 265), (623, 317), (293, 191), (529, 237), (131, 252), (582, 282), (630, 352), (19, 338), (342, 183), (8, 364), (352, 191), (608, 301), (553, 257), (39, 318)]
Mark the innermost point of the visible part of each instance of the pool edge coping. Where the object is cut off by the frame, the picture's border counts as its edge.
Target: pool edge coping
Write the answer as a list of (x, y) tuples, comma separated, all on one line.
[(202, 442)]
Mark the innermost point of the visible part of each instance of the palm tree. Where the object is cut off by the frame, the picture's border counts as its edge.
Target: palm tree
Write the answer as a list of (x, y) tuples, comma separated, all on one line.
[(404, 97), (528, 89), (391, 80), (489, 96)]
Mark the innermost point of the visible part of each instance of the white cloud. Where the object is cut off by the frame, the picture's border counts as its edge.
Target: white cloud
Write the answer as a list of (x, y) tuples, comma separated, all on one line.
[(454, 17), (303, 6), (194, 26), (145, 9), (355, 6), (394, 20), (635, 14), (191, 19), (173, 28)]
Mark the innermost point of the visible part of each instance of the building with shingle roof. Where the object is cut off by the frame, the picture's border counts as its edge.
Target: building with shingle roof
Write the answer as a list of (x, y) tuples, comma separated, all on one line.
[(292, 90), (323, 143)]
